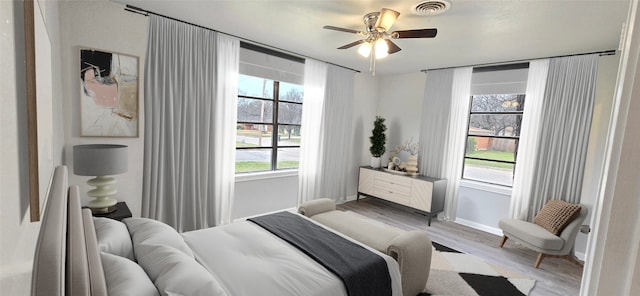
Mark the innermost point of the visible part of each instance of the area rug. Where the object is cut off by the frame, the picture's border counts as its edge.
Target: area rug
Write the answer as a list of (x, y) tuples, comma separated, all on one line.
[(456, 273)]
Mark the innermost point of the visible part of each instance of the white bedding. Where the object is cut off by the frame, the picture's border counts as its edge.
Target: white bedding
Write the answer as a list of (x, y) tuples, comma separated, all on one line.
[(248, 260)]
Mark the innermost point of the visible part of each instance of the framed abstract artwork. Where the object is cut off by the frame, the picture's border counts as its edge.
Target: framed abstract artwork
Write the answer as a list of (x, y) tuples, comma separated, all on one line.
[(108, 94)]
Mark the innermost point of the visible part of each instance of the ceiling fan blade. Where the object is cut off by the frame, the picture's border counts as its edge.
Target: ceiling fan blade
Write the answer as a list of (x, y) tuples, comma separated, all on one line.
[(386, 18), (343, 30), (352, 44), (393, 48), (420, 33)]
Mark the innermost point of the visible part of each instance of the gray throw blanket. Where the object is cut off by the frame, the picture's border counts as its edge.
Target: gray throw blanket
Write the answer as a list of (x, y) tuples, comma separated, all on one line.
[(363, 272)]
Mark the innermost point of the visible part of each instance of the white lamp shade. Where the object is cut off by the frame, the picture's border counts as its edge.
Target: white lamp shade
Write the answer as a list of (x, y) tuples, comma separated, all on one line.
[(386, 18), (381, 49), (99, 159), (365, 49)]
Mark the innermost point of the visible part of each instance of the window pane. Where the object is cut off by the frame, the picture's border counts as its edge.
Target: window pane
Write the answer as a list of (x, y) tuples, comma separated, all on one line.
[(291, 92), (253, 110), (491, 148), (255, 87), (289, 113), (288, 158), (289, 135), (495, 124), (253, 135), (488, 171), (253, 160), (497, 103)]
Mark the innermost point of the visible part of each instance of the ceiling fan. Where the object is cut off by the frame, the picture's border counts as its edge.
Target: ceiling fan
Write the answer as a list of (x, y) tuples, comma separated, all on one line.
[(377, 43)]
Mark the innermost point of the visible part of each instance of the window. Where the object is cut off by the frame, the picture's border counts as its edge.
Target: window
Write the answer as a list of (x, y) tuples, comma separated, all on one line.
[(269, 121), (492, 138)]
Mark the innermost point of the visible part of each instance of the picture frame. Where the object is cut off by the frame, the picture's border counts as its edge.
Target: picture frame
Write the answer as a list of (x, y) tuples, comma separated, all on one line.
[(109, 99)]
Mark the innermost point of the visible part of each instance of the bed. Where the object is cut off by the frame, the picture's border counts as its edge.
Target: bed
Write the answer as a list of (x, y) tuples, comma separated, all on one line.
[(77, 254)]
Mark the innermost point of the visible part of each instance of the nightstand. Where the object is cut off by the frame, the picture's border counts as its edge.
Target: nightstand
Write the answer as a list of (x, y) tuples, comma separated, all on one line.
[(122, 211)]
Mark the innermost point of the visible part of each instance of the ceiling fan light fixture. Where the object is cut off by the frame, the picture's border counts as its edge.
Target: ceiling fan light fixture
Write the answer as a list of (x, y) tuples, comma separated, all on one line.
[(365, 49), (386, 19), (381, 48)]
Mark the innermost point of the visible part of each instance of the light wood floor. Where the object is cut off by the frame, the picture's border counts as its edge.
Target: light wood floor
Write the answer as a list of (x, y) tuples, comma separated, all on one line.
[(555, 276)]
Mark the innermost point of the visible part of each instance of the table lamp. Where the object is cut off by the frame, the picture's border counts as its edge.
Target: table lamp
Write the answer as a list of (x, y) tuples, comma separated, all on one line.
[(101, 161)]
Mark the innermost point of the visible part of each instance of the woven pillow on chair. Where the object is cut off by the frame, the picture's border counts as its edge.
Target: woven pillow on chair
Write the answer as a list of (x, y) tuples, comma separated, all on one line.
[(556, 215)]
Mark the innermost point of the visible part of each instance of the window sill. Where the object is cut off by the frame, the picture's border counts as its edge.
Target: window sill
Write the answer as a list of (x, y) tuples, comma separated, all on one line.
[(486, 187), (243, 177)]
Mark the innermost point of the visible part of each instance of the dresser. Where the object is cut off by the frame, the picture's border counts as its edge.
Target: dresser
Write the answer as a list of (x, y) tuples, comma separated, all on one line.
[(421, 193)]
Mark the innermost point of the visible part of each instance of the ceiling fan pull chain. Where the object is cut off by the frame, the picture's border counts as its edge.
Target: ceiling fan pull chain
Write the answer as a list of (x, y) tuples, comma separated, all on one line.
[(372, 63)]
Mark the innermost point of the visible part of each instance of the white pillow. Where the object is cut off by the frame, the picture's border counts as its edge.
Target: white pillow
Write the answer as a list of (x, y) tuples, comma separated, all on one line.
[(175, 273), (124, 277), (146, 231), (113, 237)]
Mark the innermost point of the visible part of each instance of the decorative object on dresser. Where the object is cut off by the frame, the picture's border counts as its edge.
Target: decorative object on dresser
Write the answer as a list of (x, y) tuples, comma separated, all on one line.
[(405, 158), (102, 161), (378, 140), (421, 193)]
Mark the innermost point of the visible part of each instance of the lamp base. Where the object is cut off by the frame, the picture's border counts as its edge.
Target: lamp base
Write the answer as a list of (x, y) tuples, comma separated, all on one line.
[(106, 210), (102, 205)]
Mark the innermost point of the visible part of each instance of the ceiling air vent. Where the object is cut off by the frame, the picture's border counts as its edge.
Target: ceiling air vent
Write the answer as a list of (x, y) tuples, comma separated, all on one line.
[(430, 7)]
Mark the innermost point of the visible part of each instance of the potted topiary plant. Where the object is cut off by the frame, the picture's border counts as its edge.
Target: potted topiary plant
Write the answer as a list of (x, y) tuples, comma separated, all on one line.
[(378, 140)]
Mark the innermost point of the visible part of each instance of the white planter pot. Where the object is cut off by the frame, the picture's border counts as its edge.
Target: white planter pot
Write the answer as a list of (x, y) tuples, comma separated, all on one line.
[(375, 162)]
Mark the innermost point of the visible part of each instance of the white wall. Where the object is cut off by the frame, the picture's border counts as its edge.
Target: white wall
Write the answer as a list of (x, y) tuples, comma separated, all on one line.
[(107, 26), (400, 104), (365, 104), (264, 193), (18, 234), (482, 205)]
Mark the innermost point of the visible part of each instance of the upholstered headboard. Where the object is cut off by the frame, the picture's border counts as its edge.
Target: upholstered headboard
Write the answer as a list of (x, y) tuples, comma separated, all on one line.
[(67, 258)]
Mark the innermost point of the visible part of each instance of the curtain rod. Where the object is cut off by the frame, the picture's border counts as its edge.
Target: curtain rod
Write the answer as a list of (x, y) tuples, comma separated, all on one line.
[(601, 53), (145, 12)]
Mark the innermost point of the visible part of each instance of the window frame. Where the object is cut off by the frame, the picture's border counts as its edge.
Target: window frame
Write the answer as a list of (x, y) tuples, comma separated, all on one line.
[(275, 127), (515, 138)]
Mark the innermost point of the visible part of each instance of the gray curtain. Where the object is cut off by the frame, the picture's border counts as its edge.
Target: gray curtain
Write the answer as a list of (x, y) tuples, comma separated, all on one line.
[(565, 124), (434, 122), (445, 114), (185, 184), (326, 132)]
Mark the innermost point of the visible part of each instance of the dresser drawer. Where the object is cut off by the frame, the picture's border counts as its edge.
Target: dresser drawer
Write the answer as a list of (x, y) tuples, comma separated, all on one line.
[(393, 179), (392, 196), (392, 187)]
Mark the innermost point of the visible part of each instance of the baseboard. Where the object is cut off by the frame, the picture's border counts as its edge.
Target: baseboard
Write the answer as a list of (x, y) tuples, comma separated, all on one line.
[(580, 255), (351, 198), (476, 225)]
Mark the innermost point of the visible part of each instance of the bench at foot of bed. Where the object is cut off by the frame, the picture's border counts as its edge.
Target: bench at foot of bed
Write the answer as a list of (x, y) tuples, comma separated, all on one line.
[(411, 249)]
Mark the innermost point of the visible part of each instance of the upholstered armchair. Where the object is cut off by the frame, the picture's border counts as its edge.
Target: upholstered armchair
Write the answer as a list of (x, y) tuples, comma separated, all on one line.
[(540, 237)]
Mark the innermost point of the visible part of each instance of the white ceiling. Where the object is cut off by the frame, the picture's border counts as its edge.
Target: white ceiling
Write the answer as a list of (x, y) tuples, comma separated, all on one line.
[(469, 33)]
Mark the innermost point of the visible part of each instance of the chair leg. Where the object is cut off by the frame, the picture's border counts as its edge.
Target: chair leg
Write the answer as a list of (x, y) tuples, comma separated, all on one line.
[(504, 240), (537, 263), (573, 260)]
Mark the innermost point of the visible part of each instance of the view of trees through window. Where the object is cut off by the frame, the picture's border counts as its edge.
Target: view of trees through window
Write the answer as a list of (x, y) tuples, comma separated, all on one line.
[(269, 121), (492, 138)]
